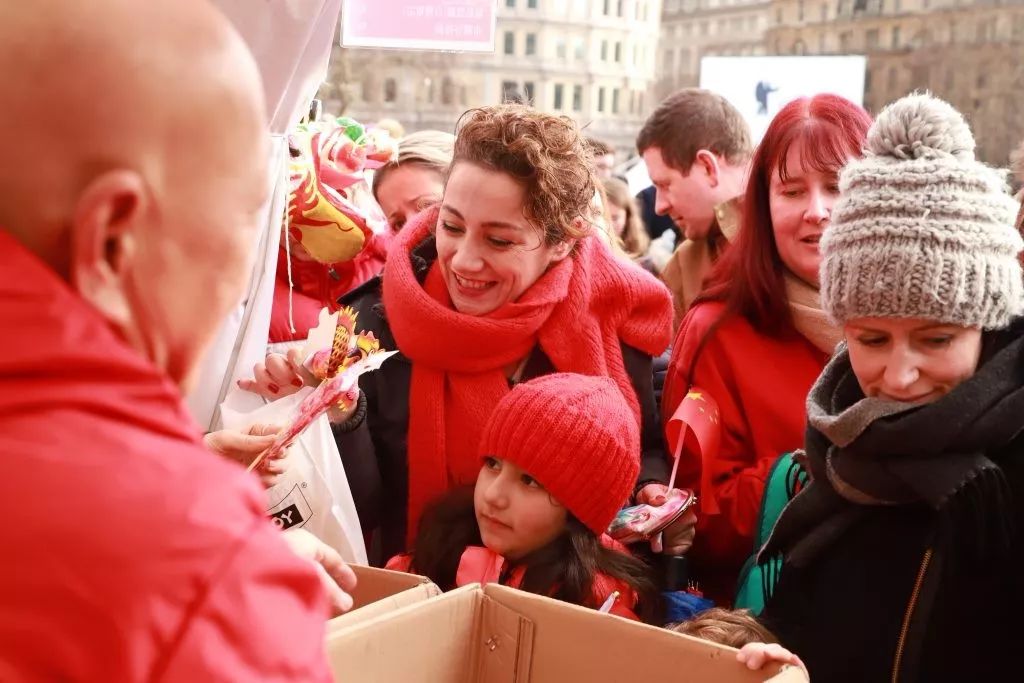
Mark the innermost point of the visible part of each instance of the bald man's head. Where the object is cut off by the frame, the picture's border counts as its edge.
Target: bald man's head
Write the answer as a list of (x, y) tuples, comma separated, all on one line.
[(134, 160)]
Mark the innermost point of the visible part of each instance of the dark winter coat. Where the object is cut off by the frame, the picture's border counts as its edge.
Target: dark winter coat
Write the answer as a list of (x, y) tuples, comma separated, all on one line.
[(923, 580)]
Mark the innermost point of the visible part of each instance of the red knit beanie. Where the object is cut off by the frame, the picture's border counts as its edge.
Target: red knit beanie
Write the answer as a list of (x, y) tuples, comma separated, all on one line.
[(576, 436)]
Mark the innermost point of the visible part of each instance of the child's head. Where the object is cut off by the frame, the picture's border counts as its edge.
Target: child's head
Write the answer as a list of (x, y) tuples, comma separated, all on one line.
[(732, 627), (556, 446)]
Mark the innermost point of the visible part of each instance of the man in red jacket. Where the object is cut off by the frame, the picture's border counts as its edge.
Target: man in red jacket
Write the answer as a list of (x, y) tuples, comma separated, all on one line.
[(133, 174)]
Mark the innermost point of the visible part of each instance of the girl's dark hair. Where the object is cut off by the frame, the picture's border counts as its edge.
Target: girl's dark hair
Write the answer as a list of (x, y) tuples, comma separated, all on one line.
[(564, 569)]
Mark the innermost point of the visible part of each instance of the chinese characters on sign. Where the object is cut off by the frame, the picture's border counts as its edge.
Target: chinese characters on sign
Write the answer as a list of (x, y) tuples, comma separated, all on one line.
[(461, 25)]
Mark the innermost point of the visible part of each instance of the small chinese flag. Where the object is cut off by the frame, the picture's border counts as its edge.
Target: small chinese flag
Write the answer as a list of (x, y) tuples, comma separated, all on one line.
[(696, 427)]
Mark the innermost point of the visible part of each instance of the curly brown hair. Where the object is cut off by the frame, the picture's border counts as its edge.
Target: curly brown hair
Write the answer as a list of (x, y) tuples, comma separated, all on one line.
[(546, 154)]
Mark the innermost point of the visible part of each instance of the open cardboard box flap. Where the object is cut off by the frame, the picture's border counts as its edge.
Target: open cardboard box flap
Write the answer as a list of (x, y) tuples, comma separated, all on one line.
[(495, 634), (379, 591)]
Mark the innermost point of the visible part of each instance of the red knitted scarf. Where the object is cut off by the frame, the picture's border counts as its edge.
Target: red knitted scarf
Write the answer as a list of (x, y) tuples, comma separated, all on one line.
[(580, 312)]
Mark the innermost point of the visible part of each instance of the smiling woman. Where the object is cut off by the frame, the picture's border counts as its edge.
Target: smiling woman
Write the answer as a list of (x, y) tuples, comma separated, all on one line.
[(500, 283), (757, 338), (914, 441)]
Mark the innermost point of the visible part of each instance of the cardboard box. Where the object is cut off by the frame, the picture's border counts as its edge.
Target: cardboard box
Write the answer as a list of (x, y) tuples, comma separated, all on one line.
[(494, 634), (379, 591)]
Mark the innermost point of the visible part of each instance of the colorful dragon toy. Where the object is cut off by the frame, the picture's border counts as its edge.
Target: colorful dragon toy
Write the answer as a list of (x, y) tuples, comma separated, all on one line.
[(335, 233)]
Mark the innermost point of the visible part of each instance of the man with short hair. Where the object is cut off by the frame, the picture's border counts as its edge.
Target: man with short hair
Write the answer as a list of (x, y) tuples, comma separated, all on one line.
[(132, 553), (604, 158), (697, 149)]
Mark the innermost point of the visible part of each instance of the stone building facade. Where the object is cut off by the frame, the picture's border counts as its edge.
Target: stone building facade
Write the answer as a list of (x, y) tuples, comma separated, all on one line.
[(965, 51), (593, 60)]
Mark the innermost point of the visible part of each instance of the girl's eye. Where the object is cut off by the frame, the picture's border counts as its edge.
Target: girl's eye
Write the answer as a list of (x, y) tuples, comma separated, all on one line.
[(531, 482), (834, 188), (791, 192), (452, 229), (492, 463), (397, 223), (501, 244)]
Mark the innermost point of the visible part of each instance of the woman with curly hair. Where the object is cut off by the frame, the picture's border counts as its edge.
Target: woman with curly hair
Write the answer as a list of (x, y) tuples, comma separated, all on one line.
[(500, 283)]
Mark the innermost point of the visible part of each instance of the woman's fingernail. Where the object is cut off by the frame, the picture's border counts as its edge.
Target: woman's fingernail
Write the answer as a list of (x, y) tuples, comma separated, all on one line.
[(273, 388), (297, 382)]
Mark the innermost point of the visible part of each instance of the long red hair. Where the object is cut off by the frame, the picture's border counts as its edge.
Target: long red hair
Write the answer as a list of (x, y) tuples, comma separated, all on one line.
[(749, 277)]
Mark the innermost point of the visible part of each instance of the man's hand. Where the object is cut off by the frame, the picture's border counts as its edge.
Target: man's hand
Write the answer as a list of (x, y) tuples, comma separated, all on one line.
[(243, 447), (337, 577), (677, 538)]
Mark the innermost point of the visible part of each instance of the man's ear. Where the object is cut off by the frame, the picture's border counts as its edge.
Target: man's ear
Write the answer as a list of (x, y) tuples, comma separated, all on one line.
[(707, 162), (104, 234)]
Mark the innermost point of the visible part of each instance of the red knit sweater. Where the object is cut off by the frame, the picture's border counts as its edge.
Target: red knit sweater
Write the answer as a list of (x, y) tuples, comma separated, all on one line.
[(761, 385)]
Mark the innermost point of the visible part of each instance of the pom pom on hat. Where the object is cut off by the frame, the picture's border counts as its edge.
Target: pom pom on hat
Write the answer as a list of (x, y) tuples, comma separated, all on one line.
[(920, 127), (921, 229), (576, 436)]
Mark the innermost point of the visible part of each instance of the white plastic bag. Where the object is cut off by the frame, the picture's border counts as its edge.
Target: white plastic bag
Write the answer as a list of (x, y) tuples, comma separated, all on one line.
[(313, 493)]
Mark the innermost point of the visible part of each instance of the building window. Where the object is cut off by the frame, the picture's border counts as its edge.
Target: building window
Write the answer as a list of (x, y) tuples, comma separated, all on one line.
[(872, 39), (821, 43), (367, 89), (703, 28), (778, 16), (509, 91), (579, 48), (800, 11), (577, 98), (607, 7), (510, 3), (560, 50), (632, 101), (390, 90), (531, 43), (668, 60), (893, 75), (510, 43), (824, 11), (559, 95), (447, 90), (528, 91), (600, 100), (615, 101), (618, 53), (531, 4), (896, 38), (896, 6), (604, 50), (844, 41)]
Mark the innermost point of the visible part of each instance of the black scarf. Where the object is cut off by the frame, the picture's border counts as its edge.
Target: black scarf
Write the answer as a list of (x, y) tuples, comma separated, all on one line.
[(863, 452)]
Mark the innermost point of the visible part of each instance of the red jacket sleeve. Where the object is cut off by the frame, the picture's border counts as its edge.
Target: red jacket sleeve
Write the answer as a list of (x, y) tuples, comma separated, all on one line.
[(262, 619), (739, 469)]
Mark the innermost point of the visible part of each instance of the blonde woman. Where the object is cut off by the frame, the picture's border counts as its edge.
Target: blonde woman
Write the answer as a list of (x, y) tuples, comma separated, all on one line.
[(415, 179)]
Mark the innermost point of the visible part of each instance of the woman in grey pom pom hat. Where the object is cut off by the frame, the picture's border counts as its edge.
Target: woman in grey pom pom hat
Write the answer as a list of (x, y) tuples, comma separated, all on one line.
[(905, 552)]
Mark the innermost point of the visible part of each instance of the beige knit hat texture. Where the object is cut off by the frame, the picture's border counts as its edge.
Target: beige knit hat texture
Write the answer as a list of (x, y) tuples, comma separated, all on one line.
[(921, 229)]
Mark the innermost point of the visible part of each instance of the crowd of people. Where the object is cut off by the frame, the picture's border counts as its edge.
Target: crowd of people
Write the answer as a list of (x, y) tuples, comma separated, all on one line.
[(846, 292)]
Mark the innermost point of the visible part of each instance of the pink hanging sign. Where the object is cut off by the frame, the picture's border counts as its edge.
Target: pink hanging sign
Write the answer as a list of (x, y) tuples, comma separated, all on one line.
[(457, 25)]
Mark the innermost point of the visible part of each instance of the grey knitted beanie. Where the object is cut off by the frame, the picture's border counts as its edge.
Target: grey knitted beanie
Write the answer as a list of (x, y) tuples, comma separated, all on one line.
[(921, 229)]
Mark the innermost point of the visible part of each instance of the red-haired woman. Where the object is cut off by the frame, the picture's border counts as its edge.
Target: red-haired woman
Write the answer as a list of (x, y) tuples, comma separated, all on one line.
[(757, 338)]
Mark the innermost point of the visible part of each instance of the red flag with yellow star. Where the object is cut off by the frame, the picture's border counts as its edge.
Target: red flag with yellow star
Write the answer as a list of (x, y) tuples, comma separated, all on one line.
[(696, 426)]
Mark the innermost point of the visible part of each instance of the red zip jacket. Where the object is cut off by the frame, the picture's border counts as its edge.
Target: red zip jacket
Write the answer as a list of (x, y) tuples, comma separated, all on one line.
[(760, 384), (482, 565), (131, 553)]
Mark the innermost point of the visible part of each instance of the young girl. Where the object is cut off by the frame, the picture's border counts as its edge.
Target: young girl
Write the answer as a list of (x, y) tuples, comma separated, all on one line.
[(558, 460)]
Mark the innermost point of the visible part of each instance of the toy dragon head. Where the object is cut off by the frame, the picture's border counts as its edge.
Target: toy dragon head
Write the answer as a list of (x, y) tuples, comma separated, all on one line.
[(328, 159)]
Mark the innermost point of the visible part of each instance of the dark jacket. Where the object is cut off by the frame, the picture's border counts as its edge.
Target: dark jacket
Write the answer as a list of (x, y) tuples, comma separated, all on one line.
[(914, 583), (374, 454)]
